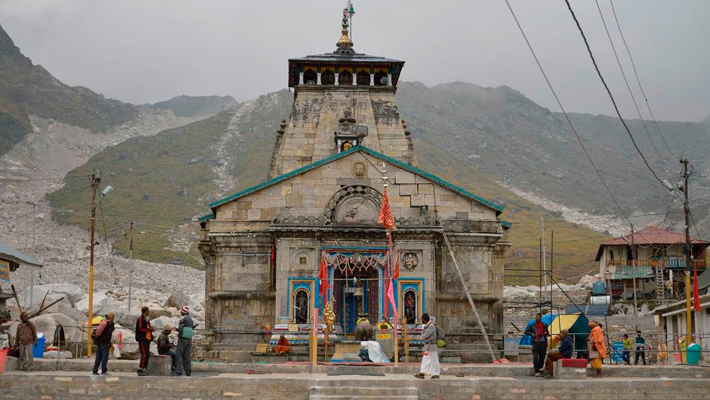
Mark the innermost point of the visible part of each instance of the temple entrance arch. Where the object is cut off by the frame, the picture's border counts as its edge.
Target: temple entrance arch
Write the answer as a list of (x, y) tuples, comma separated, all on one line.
[(358, 279)]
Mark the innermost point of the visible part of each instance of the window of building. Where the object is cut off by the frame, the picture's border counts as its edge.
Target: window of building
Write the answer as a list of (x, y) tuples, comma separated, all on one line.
[(345, 78), (310, 77), (381, 78), (327, 77), (363, 77)]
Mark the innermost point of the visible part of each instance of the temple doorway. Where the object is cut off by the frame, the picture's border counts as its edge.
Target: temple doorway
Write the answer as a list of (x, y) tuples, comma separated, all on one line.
[(356, 292)]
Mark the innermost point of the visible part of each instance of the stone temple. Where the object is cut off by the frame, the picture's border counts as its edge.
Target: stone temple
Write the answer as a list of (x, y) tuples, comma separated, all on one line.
[(263, 246)]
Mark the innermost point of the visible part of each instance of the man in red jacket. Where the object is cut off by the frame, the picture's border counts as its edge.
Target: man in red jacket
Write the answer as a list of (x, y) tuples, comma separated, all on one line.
[(144, 335)]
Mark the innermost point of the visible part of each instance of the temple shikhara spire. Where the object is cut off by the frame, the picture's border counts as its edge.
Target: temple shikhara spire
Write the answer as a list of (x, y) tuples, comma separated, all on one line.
[(309, 234)]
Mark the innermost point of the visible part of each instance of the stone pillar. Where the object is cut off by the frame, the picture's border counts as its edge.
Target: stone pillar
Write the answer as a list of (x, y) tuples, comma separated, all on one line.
[(389, 79), (372, 79), (337, 77), (300, 78), (318, 81), (354, 78)]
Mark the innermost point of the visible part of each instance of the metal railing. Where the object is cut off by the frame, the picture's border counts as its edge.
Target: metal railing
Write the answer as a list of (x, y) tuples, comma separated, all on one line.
[(659, 348)]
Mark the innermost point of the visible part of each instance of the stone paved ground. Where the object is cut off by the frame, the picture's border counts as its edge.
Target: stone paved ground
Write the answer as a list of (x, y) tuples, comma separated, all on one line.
[(302, 385)]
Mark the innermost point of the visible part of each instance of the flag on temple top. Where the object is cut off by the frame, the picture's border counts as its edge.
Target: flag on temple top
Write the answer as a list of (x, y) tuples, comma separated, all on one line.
[(395, 272), (696, 291), (386, 219), (323, 276)]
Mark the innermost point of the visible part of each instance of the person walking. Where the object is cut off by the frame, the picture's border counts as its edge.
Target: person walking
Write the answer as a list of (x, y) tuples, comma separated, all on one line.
[(640, 348), (144, 335), (102, 338), (430, 361), (538, 332), (25, 337), (165, 346), (626, 355), (597, 347), (184, 347)]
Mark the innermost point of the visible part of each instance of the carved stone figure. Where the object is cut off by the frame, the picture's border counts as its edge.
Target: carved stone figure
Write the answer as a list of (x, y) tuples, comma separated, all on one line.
[(410, 307), (359, 170), (410, 260), (302, 310)]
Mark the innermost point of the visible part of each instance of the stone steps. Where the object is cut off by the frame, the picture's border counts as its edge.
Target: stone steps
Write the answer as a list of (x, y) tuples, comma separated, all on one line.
[(362, 392)]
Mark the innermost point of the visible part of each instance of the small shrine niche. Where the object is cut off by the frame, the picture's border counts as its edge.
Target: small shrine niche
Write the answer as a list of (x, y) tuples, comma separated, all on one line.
[(349, 133)]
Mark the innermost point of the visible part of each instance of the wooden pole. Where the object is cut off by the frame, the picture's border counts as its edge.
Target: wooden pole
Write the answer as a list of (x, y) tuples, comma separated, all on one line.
[(96, 179), (688, 257), (42, 309), (14, 293)]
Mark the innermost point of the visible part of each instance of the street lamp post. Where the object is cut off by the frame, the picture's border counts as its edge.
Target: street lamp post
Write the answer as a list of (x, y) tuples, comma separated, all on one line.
[(95, 182)]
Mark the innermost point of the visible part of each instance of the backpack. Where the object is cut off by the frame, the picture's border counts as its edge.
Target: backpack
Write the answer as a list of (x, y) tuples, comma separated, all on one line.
[(440, 337)]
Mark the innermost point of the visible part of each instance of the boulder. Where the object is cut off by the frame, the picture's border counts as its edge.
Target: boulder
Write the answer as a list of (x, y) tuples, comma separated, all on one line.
[(177, 300), (128, 320), (47, 323), (71, 292), (156, 311), (103, 302), (159, 323)]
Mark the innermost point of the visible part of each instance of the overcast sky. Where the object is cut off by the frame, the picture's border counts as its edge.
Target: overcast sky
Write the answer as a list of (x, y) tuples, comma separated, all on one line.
[(145, 51)]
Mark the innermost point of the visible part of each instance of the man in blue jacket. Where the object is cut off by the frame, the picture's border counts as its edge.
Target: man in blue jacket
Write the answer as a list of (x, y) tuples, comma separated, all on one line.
[(564, 351)]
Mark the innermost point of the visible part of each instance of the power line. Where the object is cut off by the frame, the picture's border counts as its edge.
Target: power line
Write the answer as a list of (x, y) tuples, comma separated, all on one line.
[(633, 98), (618, 113), (559, 103), (638, 80)]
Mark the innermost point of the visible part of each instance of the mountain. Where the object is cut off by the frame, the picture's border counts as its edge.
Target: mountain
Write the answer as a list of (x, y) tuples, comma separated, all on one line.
[(193, 106), (27, 89), (165, 180), (504, 134)]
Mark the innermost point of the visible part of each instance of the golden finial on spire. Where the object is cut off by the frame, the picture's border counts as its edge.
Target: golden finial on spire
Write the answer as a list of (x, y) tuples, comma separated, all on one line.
[(345, 41)]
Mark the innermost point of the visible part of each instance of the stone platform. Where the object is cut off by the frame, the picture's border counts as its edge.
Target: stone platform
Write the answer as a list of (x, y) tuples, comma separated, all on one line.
[(212, 381), (319, 386)]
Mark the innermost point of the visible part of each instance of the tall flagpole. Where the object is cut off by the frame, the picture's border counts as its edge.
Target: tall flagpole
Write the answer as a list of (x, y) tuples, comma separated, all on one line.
[(388, 274)]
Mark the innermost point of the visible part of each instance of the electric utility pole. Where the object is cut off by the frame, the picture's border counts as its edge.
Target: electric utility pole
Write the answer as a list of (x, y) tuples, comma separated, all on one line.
[(544, 251), (95, 181), (688, 254), (130, 274)]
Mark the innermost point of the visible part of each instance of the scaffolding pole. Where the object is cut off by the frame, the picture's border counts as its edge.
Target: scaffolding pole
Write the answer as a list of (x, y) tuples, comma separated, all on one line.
[(468, 295)]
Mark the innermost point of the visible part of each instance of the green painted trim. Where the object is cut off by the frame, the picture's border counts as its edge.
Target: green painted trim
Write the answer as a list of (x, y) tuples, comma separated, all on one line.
[(205, 217), (506, 224), (371, 152)]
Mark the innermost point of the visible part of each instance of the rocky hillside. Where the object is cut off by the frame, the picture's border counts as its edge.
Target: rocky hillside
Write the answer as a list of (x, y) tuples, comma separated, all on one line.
[(195, 106), (165, 180), (27, 89), (501, 132)]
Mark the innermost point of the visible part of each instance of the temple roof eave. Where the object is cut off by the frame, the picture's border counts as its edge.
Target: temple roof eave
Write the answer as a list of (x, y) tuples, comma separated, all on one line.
[(498, 209), (349, 58)]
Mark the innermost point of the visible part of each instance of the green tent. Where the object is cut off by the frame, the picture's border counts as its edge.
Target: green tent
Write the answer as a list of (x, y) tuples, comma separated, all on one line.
[(576, 324)]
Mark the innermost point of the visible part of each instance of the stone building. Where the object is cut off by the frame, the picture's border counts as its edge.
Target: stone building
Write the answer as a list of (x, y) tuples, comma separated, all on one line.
[(263, 246)]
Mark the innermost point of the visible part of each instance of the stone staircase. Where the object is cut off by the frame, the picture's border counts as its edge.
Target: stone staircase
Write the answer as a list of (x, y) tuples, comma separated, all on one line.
[(362, 392)]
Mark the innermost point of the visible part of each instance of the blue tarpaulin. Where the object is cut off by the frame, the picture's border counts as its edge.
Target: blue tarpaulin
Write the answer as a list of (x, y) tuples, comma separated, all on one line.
[(547, 319)]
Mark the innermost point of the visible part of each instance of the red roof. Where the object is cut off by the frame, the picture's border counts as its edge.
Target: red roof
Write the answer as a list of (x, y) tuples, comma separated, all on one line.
[(653, 235), (650, 236)]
